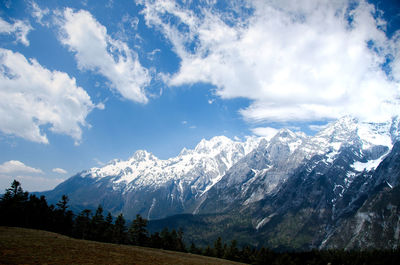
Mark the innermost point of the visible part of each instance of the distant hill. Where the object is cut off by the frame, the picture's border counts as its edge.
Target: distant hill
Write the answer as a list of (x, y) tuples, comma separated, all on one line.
[(28, 246)]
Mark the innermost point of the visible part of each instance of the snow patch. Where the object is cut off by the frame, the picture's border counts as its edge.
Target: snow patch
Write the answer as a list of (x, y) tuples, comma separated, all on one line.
[(370, 165), (151, 208), (264, 221), (390, 186)]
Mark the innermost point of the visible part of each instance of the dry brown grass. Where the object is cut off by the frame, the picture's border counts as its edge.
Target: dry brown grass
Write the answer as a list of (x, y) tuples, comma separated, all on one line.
[(27, 246)]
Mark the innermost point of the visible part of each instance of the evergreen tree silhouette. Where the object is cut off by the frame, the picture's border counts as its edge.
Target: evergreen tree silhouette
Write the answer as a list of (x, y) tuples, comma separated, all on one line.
[(138, 232)]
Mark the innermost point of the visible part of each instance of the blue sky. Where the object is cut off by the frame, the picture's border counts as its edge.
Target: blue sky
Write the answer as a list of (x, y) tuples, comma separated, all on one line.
[(84, 82)]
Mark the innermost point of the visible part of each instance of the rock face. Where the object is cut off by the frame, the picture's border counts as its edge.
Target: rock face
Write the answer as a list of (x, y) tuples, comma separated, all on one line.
[(338, 188), (152, 187)]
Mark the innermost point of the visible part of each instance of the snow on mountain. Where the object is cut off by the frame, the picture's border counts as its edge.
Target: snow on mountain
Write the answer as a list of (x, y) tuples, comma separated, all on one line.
[(346, 146), (221, 174), (371, 138), (200, 168)]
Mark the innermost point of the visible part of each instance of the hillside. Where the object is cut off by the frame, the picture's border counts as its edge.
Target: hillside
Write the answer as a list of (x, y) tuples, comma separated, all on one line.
[(27, 246)]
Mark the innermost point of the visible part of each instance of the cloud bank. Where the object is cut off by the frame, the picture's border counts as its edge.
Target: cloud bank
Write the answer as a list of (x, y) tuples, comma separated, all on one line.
[(296, 61)]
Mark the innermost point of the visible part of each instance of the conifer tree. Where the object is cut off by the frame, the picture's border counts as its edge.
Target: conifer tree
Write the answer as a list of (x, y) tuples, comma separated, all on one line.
[(208, 251), (232, 252), (138, 231), (120, 233), (156, 240), (97, 225), (62, 205), (180, 245), (109, 228), (12, 205), (219, 251), (63, 217), (82, 225), (193, 249)]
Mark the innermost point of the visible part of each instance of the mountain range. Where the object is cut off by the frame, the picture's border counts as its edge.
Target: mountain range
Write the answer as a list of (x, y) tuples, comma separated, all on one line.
[(336, 189)]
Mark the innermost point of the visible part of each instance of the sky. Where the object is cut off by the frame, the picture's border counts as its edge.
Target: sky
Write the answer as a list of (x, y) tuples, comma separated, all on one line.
[(85, 82)]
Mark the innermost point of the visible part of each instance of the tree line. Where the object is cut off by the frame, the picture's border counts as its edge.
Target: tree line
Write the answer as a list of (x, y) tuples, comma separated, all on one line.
[(18, 208)]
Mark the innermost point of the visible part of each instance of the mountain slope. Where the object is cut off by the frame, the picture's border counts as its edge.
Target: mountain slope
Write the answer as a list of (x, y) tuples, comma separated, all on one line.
[(152, 187), (377, 221), (292, 191), (335, 176)]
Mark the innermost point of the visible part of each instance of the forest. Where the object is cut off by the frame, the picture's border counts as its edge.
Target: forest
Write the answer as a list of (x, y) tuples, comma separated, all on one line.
[(18, 208)]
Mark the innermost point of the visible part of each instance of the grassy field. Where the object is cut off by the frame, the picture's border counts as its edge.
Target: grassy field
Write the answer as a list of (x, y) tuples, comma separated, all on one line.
[(27, 246)]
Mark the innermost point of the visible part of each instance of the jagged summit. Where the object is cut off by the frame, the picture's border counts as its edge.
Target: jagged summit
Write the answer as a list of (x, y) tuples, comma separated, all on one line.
[(199, 167), (231, 172)]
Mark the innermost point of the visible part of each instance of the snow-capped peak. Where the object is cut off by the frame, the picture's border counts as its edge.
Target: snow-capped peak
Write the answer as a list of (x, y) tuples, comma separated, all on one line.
[(215, 143), (204, 166), (142, 155), (199, 168)]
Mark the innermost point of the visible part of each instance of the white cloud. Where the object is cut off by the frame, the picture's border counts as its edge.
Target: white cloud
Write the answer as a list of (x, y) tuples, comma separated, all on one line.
[(31, 178), (15, 166), (19, 28), (30, 183), (302, 60), (59, 170), (151, 55), (32, 96), (95, 50), (267, 132), (316, 128), (38, 13)]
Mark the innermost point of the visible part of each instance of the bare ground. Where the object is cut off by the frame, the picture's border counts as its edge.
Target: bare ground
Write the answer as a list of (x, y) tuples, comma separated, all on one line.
[(28, 246)]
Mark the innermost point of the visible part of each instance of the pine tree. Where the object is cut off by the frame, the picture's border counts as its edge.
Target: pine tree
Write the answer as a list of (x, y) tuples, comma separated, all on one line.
[(62, 205), (138, 231), (109, 228), (208, 251), (232, 252), (82, 225), (63, 217), (174, 240), (247, 255), (120, 233), (156, 240), (180, 245), (97, 225), (193, 249), (167, 241), (13, 205), (219, 251)]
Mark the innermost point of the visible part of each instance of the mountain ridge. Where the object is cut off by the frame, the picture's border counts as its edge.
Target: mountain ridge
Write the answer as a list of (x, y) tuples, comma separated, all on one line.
[(318, 182)]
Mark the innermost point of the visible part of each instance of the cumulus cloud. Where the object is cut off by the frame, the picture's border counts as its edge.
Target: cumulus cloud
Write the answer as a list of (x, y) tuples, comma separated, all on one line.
[(303, 60), (19, 28), (15, 166), (32, 97), (32, 179), (59, 170), (267, 132), (96, 51)]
